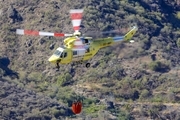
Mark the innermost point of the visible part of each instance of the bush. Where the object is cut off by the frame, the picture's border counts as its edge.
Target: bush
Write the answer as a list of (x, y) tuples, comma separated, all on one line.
[(64, 79), (178, 15), (94, 108), (124, 115), (2, 72), (35, 76), (155, 66), (56, 113), (144, 94), (158, 98), (158, 66), (178, 42)]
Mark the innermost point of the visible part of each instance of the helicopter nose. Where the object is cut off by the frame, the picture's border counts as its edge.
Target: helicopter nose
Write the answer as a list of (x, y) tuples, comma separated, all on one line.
[(50, 59), (53, 59)]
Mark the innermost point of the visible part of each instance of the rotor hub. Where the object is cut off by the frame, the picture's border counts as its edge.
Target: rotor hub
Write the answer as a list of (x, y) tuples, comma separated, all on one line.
[(77, 34)]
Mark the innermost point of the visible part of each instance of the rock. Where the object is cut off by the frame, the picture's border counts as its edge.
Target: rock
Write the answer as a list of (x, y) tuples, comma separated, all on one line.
[(110, 105), (45, 72), (29, 52), (13, 14), (135, 74), (153, 57), (37, 64), (29, 43), (41, 41), (55, 5), (51, 47)]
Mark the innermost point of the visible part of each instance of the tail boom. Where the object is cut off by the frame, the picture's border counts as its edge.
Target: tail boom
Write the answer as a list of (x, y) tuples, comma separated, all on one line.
[(127, 37)]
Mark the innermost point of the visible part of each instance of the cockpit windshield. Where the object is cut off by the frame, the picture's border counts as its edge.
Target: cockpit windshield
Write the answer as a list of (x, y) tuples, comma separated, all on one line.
[(57, 53)]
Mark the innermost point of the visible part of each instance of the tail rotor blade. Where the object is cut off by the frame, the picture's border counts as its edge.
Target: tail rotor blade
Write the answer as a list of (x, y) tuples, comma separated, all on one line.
[(40, 33), (76, 17)]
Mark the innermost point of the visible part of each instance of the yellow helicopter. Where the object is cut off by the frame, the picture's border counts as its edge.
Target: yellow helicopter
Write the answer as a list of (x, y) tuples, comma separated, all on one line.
[(77, 48)]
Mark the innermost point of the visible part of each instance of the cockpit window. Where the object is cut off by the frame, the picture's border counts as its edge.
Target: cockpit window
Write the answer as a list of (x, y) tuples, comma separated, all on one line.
[(57, 53), (63, 55)]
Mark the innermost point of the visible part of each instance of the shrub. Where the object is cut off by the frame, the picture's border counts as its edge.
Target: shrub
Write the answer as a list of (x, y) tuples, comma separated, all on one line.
[(124, 115), (2, 72), (178, 15), (56, 113), (64, 79), (35, 76), (158, 66), (94, 108), (158, 98), (144, 94), (178, 42)]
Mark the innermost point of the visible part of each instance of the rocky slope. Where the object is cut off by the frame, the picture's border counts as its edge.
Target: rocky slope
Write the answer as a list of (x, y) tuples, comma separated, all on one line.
[(142, 78), (19, 103)]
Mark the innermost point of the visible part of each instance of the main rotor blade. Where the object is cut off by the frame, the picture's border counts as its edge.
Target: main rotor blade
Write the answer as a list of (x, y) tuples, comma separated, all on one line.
[(121, 30), (111, 33), (40, 33)]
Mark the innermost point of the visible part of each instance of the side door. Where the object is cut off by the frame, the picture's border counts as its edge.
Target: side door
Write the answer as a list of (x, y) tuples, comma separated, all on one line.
[(78, 54), (67, 56)]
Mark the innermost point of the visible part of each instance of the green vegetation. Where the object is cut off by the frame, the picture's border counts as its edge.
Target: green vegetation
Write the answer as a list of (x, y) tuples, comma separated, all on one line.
[(64, 79), (93, 108), (178, 42), (126, 71), (123, 115), (158, 66)]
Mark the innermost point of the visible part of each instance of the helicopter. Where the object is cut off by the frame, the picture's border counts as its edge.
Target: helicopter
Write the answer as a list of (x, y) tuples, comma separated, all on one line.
[(77, 48)]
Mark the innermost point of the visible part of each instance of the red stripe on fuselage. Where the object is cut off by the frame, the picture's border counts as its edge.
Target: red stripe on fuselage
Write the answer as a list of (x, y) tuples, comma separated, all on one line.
[(30, 32), (78, 46)]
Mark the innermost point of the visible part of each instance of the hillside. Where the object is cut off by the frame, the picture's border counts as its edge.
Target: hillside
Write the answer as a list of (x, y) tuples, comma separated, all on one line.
[(18, 103), (127, 81)]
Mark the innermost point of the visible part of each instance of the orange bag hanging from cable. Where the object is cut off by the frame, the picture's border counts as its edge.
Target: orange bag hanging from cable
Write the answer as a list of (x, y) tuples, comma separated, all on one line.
[(77, 107)]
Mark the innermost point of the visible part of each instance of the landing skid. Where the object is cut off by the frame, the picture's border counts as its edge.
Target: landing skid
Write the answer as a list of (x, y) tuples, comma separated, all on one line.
[(57, 66), (87, 65), (76, 64), (78, 68)]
